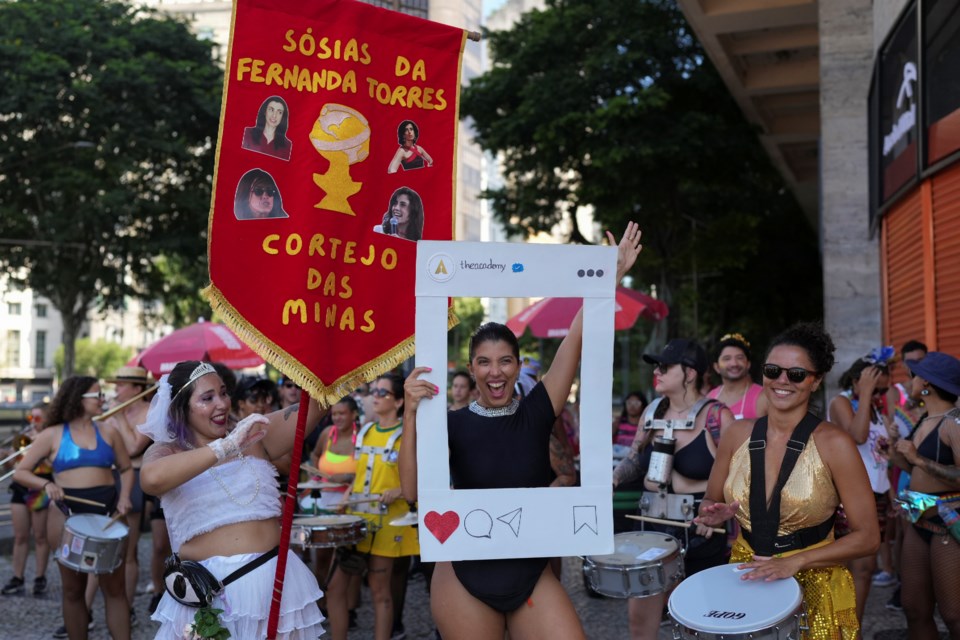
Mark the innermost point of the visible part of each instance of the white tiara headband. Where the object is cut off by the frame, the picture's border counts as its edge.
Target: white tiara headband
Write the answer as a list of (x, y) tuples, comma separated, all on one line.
[(202, 369), (157, 425)]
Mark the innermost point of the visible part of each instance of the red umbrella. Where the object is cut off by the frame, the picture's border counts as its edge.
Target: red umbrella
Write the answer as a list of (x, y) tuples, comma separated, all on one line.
[(205, 341), (551, 317)]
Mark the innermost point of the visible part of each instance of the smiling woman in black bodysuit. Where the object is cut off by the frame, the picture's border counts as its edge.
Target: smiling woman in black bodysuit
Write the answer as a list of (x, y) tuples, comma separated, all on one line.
[(501, 442)]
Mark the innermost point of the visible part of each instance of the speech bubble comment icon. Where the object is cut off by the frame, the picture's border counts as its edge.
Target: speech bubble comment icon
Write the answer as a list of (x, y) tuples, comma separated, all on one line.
[(478, 524)]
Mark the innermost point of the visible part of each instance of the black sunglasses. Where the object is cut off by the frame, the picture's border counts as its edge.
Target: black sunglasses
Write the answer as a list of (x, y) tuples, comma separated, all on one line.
[(259, 191), (380, 393), (289, 385), (794, 374)]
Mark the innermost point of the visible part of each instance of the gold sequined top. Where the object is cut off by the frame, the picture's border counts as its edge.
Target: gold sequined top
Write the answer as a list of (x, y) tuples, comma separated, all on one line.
[(808, 498)]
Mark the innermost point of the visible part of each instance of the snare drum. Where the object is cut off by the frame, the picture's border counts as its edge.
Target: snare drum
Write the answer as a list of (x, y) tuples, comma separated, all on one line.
[(716, 603), (643, 564), (86, 546), (327, 531)]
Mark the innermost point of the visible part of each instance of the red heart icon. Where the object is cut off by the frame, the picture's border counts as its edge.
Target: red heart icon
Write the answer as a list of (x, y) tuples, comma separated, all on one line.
[(443, 525)]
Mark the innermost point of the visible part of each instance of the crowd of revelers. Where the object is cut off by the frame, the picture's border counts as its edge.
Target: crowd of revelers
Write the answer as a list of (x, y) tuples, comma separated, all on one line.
[(862, 492)]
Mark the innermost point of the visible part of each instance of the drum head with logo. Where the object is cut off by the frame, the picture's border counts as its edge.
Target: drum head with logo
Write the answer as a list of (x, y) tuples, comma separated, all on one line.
[(638, 547), (93, 526), (717, 600)]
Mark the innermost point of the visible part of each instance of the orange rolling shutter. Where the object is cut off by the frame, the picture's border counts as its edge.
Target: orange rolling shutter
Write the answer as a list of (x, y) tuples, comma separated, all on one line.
[(946, 258)]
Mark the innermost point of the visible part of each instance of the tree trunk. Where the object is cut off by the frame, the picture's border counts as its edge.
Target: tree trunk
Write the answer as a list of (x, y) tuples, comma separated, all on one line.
[(71, 327)]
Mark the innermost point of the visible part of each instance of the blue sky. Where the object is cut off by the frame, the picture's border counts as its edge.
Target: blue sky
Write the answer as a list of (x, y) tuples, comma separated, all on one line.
[(490, 6)]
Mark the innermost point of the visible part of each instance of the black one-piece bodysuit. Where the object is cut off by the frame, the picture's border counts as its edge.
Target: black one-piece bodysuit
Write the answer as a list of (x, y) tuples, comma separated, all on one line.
[(503, 452)]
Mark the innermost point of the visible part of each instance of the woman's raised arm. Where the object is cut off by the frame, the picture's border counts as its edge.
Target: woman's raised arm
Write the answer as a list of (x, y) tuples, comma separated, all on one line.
[(559, 378)]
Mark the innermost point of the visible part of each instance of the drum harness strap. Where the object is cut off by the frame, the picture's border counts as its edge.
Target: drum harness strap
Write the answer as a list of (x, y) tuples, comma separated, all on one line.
[(650, 423), (385, 452), (765, 522)]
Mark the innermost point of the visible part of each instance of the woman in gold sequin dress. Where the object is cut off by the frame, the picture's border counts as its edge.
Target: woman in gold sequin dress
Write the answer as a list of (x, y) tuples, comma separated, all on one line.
[(828, 471)]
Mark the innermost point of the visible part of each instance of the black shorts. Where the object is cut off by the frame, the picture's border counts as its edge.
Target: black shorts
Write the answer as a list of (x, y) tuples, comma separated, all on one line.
[(156, 511), (18, 493), (106, 495), (137, 497)]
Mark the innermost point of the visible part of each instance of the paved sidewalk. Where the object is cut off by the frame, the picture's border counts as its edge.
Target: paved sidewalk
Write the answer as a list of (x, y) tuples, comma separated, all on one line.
[(30, 618)]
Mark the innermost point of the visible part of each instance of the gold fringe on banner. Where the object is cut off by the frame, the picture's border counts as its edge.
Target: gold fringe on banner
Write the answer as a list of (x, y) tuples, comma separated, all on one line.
[(292, 368)]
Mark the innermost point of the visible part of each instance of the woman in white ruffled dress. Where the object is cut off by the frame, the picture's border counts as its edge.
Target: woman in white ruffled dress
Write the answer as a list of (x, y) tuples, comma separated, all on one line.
[(222, 505)]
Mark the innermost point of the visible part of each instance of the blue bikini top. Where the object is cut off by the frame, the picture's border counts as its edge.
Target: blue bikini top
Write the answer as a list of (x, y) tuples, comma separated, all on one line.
[(70, 456)]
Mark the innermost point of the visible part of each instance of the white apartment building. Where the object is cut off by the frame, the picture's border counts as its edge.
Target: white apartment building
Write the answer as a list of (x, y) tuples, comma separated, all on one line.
[(31, 330)]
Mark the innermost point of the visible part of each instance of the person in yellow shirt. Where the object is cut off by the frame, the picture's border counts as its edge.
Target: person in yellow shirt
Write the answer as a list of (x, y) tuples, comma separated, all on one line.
[(377, 480)]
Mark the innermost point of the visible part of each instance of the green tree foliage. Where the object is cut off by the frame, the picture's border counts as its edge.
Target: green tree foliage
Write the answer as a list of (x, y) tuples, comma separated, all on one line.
[(470, 313), (612, 104), (98, 359), (108, 124)]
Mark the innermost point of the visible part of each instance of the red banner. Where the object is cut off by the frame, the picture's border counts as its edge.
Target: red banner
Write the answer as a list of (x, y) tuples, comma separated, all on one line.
[(337, 152)]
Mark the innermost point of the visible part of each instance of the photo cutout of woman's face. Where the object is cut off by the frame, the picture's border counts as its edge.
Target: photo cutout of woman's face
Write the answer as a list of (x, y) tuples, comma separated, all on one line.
[(269, 133), (258, 197)]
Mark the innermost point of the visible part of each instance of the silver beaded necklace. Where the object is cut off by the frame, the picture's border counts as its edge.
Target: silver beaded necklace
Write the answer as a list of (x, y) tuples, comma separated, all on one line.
[(496, 412), (256, 492)]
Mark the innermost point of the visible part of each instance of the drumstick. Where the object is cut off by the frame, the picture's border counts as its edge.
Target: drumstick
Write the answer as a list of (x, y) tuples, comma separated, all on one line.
[(672, 523), (112, 520), (92, 503), (313, 470), (344, 503)]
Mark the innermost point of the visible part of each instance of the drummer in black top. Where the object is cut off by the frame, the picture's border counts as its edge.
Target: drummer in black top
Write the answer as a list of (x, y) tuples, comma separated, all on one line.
[(500, 442)]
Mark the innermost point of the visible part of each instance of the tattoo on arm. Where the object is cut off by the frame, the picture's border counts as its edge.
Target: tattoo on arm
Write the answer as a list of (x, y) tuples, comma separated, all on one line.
[(291, 409), (628, 469), (950, 473)]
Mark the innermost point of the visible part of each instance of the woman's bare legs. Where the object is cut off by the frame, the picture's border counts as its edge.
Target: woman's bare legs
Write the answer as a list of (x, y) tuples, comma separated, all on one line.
[(336, 593), (379, 571), (20, 515), (547, 615), (38, 521), (113, 586), (460, 616)]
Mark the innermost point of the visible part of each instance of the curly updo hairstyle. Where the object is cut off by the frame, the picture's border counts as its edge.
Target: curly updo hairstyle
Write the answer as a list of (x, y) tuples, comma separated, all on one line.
[(812, 338)]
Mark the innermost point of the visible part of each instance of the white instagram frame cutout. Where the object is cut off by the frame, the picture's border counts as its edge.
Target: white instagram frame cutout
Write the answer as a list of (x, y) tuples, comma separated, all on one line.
[(526, 522)]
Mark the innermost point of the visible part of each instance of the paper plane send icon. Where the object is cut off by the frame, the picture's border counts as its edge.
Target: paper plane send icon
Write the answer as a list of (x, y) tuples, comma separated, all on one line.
[(512, 520)]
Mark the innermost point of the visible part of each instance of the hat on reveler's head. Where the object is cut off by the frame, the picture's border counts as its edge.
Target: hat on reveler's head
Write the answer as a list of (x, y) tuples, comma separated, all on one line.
[(133, 375), (680, 351), (939, 369)]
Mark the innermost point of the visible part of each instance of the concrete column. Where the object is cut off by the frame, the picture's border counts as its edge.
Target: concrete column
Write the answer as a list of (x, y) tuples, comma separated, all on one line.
[(851, 266)]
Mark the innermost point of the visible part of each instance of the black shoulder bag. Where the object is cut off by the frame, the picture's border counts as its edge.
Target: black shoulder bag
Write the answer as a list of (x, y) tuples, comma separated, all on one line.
[(191, 584)]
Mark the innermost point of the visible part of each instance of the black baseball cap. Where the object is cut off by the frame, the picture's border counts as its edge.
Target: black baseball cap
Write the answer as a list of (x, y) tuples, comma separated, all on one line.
[(680, 351)]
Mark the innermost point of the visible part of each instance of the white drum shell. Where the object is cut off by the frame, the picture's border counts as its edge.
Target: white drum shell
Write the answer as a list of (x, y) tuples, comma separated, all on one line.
[(644, 564), (716, 604), (87, 546)]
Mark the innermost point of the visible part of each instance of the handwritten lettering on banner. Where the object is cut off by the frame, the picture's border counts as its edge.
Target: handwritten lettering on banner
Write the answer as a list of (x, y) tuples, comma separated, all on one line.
[(336, 154)]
